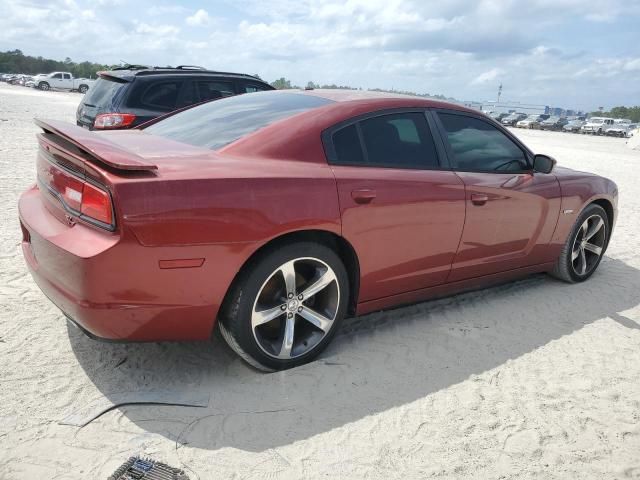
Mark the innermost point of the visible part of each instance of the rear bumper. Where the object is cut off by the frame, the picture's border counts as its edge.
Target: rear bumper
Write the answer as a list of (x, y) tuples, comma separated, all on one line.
[(114, 288)]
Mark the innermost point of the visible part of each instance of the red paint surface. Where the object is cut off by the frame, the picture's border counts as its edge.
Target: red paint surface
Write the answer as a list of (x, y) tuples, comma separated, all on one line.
[(416, 234)]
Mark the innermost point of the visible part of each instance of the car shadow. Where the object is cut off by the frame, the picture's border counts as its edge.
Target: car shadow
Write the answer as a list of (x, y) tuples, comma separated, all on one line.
[(377, 362)]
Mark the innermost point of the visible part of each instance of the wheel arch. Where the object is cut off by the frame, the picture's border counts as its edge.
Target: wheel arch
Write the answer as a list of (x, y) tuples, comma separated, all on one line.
[(608, 208), (338, 244)]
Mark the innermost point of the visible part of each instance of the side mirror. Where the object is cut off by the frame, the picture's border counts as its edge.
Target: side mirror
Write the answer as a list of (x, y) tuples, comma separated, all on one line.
[(543, 163)]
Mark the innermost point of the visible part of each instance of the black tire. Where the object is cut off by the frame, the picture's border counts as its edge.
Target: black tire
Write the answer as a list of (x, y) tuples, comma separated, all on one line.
[(235, 321), (44, 86), (564, 268), (83, 89)]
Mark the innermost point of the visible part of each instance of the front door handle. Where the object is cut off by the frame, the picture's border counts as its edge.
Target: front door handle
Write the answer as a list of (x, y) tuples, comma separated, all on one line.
[(479, 199), (363, 195)]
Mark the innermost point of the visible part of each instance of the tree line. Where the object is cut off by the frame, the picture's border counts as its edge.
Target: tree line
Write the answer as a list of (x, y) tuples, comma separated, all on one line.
[(14, 61), (631, 113)]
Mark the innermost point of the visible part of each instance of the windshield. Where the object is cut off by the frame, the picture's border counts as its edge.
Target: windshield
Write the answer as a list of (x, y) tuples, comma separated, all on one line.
[(102, 92), (218, 123)]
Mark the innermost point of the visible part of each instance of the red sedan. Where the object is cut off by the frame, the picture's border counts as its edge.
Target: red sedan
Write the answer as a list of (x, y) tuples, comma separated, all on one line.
[(274, 215)]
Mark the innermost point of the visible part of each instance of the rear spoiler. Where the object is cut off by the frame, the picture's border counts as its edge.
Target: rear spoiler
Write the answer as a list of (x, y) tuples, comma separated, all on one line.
[(98, 146)]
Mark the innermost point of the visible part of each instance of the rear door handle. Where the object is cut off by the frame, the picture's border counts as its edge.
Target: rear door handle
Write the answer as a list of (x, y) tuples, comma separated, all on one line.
[(479, 199), (363, 195)]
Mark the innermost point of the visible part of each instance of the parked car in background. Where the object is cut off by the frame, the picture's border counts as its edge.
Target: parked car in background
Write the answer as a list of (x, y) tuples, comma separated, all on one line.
[(597, 125), (497, 116), (15, 80), (573, 126), (62, 81), (513, 118), (553, 123), (532, 121), (131, 95), (270, 215), (620, 129)]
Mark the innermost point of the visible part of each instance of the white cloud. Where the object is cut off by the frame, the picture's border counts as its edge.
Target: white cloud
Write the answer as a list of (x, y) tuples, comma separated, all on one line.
[(156, 30), (460, 48), (201, 17), (488, 76)]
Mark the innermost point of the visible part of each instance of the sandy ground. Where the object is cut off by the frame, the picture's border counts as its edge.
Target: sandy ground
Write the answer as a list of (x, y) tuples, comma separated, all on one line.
[(534, 379)]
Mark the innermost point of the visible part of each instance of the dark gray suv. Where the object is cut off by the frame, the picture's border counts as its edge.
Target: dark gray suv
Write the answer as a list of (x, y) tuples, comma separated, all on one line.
[(129, 96)]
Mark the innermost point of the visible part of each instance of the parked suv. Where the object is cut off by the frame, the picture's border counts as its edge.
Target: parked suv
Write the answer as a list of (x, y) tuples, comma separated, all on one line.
[(597, 125), (129, 96)]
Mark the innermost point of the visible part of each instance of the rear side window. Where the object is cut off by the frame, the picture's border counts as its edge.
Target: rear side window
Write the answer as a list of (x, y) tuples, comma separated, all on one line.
[(401, 140), (478, 146), (212, 89), (251, 88), (161, 95), (216, 124), (347, 145)]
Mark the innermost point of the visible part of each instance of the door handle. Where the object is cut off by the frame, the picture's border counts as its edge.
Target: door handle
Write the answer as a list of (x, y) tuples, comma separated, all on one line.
[(363, 195), (479, 199)]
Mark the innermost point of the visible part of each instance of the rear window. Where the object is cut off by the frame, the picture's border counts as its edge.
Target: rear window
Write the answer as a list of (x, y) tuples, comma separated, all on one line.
[(220, 122), (102, 92)]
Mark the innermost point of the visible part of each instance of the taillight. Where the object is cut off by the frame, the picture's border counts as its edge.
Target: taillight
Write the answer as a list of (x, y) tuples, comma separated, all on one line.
[(96, 203), (113, 120), (82, 198)]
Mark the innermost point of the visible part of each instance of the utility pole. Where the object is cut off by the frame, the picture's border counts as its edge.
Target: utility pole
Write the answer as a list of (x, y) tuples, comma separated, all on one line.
[(499, 92)]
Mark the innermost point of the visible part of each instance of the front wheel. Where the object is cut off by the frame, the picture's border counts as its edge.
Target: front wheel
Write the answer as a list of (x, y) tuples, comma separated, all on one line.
[(585, 246), (44, 86), (285, 309)]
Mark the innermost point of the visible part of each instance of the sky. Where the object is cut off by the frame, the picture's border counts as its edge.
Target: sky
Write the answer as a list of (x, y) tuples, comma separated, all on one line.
[(568, 53)]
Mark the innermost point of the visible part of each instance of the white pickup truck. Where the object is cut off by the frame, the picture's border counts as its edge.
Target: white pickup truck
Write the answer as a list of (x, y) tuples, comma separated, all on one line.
[(61, 81)]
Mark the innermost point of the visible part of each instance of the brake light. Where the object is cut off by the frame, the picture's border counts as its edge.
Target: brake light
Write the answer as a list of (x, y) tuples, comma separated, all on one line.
[(113, 120), (77, 195), (96, 203)]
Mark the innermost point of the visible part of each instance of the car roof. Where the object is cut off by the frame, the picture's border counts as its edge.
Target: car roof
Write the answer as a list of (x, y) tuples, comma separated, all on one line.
[(131, 71), (384, 99)]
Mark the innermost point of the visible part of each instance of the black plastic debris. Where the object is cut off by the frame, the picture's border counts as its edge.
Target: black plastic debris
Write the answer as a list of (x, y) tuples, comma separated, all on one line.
[(137, 468)]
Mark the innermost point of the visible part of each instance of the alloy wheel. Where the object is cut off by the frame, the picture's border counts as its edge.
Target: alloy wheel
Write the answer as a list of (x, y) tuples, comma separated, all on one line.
[(295, 308), (588, 245)]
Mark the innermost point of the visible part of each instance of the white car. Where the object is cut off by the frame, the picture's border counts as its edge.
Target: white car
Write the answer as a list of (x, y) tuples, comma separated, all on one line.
[(61, 81), (531, 121), (597, 125)]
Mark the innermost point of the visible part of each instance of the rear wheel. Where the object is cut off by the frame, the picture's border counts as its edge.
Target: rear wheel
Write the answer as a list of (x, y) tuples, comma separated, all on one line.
[(585, 246), (286, 309), (83, 89)]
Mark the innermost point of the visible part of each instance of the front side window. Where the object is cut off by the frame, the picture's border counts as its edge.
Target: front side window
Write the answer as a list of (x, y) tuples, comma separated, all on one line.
[(58, 76), (399, 140), (478, 146)]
